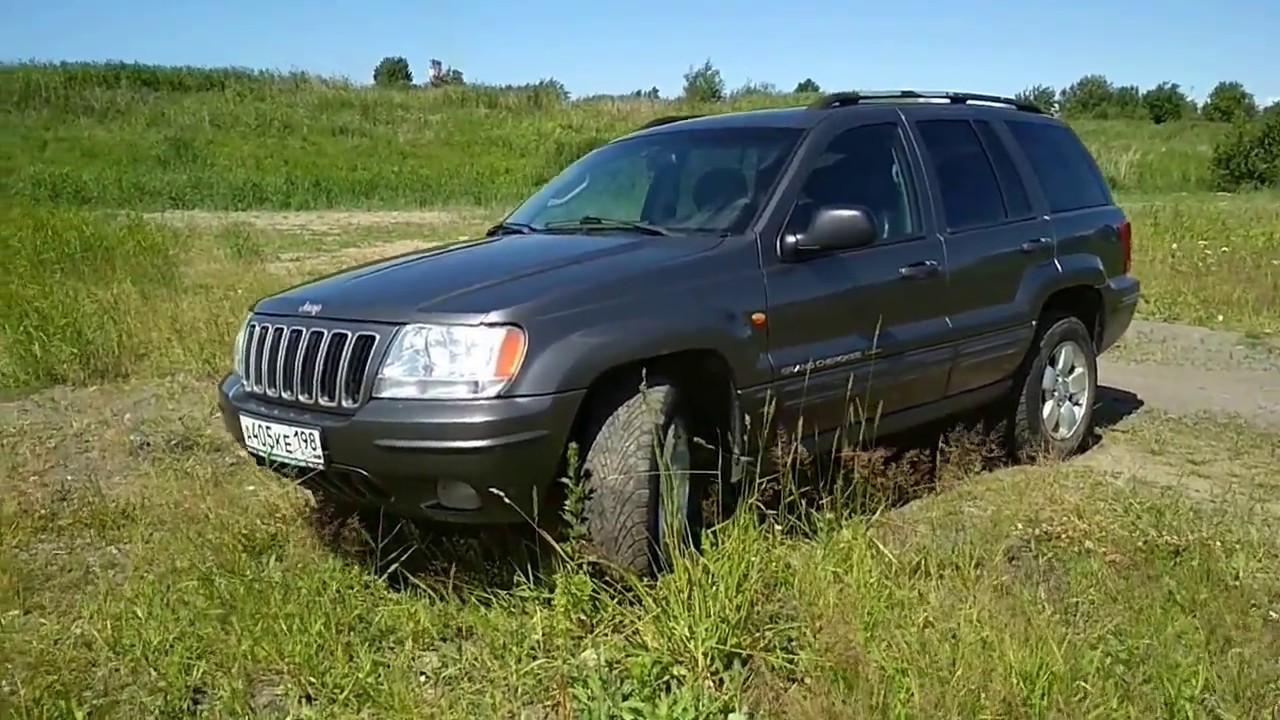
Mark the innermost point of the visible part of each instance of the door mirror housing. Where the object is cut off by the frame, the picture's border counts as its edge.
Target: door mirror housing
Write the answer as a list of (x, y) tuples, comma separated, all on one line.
[(835, 228)]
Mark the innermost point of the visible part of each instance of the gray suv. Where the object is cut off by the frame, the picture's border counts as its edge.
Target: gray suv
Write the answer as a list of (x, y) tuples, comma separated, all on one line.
[(676, 297)]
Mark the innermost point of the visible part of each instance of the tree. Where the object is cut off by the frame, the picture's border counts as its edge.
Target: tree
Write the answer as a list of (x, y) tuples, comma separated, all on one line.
[(392, 71), (1042, 96), (1086, 97), (1165, 102), (1228, 101), (704, 84), (442, 76), (807, 85)]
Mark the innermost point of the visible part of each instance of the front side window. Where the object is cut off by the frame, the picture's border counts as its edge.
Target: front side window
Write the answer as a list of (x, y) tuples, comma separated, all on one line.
[(697, 181), (866, 165)]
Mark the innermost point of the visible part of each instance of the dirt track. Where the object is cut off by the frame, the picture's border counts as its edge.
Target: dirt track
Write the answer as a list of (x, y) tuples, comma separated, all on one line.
[(1185, 370)]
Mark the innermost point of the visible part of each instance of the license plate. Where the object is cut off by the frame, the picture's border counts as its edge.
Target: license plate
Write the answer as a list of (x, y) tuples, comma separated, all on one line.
[(278, 442)]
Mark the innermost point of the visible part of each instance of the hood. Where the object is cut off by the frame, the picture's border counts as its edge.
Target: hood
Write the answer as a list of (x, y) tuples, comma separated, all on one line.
[(479, 277)]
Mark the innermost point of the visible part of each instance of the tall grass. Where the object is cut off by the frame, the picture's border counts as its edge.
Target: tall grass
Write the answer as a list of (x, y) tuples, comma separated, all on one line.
[(125, 136), (88, 298)]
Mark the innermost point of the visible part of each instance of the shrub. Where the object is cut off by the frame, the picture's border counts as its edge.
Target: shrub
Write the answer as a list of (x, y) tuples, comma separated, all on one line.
[(1165, 103), (1229, 102), (1250, 156), (806, 85), (1042, 96), (393, 71), (703, 84)]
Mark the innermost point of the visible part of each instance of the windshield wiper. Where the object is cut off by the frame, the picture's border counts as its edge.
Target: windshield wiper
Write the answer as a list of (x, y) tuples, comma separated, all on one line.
[(509, 228), (591, 221)]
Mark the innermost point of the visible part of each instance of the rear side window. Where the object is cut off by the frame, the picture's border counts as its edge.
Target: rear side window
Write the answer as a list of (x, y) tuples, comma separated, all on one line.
[(966, 180), (1016, 201), (1067, 174)]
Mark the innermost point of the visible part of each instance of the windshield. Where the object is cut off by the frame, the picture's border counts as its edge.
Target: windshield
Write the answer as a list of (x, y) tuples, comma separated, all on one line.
[(694, 181)]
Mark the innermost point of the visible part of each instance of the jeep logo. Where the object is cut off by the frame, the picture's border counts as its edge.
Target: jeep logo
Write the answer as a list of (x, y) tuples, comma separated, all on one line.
[(310, 308)]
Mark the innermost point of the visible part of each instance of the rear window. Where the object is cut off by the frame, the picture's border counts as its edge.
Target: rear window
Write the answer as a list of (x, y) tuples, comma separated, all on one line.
[(1066, 172)]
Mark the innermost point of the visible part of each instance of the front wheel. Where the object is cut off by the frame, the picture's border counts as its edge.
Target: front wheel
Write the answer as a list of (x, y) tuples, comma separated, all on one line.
[(639, 479), (1053, 412)]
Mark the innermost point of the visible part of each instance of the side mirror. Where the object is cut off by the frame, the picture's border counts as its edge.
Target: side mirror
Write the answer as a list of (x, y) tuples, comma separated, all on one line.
[(838, 227)]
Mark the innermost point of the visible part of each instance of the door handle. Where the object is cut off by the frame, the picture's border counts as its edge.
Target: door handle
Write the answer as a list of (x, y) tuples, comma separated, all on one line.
[(1036, 244), (922, 269)]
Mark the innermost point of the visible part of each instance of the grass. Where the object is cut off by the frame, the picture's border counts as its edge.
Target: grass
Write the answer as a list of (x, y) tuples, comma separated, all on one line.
[(155, 139), (1210, 260), (148, 572)]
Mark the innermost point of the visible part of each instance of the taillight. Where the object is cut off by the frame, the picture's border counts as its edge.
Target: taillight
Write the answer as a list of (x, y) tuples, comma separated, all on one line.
[(1126, 245)]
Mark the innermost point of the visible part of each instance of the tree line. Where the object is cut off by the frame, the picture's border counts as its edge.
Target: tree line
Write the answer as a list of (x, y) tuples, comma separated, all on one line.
[(1092, 97)]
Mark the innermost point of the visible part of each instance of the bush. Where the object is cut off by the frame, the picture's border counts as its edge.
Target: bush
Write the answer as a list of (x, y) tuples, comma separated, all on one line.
[(1249, 157), (393, 71), (1042, 96), (1229, 102), (703, 84), (1166, 103)]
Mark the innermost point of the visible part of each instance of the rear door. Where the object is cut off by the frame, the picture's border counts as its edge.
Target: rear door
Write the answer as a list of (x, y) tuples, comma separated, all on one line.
[(857, 334), (1083, 216), (993, 234)]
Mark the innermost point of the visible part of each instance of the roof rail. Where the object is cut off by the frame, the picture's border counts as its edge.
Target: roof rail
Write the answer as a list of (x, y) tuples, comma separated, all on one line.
[(853, 97), (667, 120)]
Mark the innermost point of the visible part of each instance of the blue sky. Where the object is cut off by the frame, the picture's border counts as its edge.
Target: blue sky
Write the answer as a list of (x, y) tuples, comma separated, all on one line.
[(997, 46)]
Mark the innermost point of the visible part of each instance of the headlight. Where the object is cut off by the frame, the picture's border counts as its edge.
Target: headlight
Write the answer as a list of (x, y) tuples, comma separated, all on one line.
[(237, 361), (450, 361)]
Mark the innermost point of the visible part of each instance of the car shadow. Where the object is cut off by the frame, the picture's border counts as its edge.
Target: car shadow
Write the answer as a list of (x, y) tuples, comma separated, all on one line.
[(1114, 405), (410, 555)]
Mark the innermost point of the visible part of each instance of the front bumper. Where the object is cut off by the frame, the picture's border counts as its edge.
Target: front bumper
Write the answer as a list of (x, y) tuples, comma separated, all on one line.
[(394, 454)]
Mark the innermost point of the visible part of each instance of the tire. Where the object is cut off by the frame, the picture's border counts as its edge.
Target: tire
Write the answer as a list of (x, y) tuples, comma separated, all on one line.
[(1060, 340), (625, 487)]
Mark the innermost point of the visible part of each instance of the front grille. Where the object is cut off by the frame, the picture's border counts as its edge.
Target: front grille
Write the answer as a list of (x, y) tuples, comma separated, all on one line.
[(308, 365)]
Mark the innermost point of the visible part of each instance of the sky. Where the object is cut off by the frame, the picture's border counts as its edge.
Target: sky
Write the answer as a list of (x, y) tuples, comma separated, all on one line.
[(993, 46)]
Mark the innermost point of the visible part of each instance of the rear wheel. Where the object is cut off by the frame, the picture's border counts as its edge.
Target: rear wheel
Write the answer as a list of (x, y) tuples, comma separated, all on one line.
[(640, 480), (1053, 411)]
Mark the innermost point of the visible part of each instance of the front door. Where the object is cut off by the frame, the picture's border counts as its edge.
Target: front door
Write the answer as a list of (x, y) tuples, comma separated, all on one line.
[(854, 336)]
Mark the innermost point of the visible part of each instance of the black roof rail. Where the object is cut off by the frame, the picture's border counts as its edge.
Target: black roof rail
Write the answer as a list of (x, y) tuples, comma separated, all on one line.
[(853, 97), (667, 120)]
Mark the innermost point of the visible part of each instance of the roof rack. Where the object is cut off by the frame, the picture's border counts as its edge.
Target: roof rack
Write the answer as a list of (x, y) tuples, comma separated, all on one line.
[(667, 120), (845, 99)]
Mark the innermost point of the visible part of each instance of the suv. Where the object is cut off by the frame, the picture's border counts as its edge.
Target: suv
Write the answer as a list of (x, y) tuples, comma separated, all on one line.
[(675, 297)]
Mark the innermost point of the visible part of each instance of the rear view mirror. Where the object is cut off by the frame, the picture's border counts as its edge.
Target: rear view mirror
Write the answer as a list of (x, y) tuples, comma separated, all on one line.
[(838, 227)]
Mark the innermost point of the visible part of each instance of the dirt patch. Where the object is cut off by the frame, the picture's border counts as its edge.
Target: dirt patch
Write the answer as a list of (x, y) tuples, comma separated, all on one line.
[(317, 222), (309, 263), (1197, 347), (1186, 370)]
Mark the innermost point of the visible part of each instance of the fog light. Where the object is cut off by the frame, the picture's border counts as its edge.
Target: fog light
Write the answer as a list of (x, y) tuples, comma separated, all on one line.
[(457, 496)]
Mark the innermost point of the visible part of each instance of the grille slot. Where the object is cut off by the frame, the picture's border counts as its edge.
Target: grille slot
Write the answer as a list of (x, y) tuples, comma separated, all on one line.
[(309, 365)]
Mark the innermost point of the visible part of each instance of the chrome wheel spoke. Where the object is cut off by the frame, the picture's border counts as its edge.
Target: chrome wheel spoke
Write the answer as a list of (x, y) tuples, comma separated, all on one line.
[(1049, 379), (1049, 415), (1078, 382), (1068, 419), (1065, 358)]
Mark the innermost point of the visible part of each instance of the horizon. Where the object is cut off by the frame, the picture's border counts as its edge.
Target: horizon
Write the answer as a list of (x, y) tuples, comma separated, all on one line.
[(1187, 43)]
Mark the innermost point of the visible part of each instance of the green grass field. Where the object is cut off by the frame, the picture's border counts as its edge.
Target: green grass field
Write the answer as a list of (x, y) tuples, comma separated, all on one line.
[(148, 570)]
